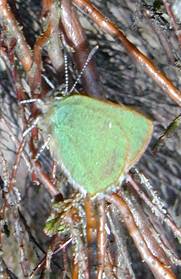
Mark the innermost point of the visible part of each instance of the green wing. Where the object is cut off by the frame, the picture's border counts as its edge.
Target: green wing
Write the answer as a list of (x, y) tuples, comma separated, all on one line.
[(96, 142)]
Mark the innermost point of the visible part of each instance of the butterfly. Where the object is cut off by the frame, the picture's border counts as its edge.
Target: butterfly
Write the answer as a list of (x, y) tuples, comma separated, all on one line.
[(96, 142)]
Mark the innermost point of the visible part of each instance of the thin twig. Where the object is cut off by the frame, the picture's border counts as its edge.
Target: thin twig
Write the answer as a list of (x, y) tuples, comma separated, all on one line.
[(158, 269), (22, 49), (75, 269), (165, 217), (144, 226), (101, 239), (91, 236), (108, 26)]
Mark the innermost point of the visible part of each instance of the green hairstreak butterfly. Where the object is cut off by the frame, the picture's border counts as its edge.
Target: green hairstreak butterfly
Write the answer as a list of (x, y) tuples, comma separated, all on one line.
[(96, 142)]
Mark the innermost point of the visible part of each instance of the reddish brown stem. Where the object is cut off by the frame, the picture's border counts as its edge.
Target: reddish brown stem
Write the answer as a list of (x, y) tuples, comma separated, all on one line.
[(42, 263), (13, 75), (91, 236), (22, 49), (43, 177), (158, 269), (35, 80), (108, 26), (46, 5), (101, 239), (75, 270), (15, 167)]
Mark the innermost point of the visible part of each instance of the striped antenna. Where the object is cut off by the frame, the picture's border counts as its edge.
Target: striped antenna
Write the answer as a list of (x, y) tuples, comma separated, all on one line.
[(66, 73), (91, 54)]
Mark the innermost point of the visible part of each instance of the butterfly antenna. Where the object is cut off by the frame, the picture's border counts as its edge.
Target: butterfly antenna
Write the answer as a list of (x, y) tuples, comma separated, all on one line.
[(65, 92), (66, 73), (91, 54)]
